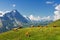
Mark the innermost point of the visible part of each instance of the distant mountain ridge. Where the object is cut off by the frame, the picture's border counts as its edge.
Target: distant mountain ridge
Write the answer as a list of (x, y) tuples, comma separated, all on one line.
[(12, 19), (39, 22)]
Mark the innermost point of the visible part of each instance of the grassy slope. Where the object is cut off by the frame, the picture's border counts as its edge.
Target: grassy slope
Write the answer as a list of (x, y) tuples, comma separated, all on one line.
[(37, 33), (55, 23)]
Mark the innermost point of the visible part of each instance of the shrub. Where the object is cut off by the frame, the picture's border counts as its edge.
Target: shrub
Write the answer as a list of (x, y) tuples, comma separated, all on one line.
[(38, 26)]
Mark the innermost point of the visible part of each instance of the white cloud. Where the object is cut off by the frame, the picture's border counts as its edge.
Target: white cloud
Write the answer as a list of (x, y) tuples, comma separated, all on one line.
[(2, 13), (49, 2), (57, 7), (46, 18), (57, 12), (34, 18), (6, 12), (14, 5), (38, 18)]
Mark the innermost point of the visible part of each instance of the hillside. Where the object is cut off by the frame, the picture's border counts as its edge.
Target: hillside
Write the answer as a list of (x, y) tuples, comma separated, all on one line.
[(55, 23), (38, 33)]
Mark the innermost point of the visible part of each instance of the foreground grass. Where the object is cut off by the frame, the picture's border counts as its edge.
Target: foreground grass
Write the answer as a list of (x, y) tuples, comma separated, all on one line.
[(36, 33)]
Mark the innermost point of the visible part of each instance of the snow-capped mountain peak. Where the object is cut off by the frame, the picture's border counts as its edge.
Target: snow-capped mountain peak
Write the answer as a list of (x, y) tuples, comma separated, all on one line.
[(12, 19)]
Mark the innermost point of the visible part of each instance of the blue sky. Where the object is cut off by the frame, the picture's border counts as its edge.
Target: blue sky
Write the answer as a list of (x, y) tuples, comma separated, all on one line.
[(27, 7)]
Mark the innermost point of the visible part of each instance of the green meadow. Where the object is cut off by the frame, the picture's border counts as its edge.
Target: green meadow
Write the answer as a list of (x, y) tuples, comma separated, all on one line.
[(34, 33), (49, 32)]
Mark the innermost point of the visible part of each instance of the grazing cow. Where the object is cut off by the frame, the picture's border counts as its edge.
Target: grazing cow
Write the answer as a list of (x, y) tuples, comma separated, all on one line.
[(20, 27), (32, 25), (15, 29), (38, 25), (27, 34), (54, 26)]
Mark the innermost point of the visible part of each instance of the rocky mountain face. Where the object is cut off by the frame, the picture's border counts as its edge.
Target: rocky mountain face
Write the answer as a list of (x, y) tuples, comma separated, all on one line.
[(11, 20)]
